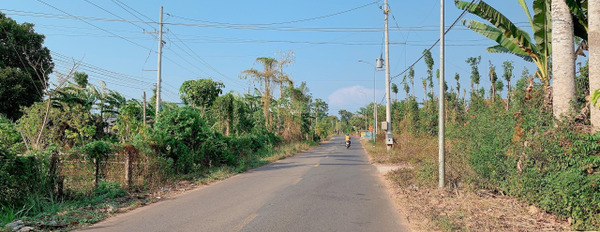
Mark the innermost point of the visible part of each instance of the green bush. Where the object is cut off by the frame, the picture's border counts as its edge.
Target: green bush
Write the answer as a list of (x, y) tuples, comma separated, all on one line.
[(216, 151), (20, 176), (9, 136), (179, 135), (549, 164)]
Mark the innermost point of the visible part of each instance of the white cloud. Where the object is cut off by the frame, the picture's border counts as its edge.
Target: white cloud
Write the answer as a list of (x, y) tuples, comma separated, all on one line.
[(351, 98)]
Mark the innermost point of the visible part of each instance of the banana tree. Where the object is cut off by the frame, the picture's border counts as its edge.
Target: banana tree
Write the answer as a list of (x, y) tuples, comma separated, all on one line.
[(512, 39)]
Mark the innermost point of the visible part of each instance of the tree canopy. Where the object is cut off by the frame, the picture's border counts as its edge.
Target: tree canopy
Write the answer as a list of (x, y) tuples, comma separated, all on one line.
[(24, 66)]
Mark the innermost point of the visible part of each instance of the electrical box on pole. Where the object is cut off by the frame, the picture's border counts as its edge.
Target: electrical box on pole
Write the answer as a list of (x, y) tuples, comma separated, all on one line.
[(389, 140), (384, 126)]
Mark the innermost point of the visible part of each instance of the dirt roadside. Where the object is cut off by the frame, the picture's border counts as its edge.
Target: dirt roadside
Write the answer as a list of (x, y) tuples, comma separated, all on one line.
[(457, 209)]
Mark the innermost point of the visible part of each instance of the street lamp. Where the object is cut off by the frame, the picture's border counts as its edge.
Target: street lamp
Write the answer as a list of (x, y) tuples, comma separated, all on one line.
[(375, 67)]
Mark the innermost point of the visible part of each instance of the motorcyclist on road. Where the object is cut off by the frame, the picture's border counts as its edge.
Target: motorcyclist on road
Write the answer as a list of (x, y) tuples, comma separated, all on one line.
[(348, 138)]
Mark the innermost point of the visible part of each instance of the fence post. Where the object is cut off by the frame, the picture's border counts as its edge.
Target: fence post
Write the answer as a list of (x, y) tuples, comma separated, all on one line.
[(130, 153)]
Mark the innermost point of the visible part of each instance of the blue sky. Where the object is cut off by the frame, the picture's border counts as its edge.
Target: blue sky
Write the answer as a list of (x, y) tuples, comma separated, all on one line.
[(220, 39)]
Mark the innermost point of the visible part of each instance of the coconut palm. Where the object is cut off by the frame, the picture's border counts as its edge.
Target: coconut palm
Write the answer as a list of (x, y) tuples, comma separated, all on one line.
[(508, 68), (493, 78), (563, 71), (594, 42), (411, 75), (268, 77), (457, 78)]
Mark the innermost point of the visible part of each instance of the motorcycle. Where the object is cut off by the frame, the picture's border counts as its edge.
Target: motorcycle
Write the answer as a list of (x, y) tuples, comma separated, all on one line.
[(347, 144)]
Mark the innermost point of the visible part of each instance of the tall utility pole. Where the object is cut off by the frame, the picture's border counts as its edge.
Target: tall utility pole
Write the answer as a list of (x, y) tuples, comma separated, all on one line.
[(144, 108), (388, 107), (441, 147), (158, 78), (374, 106)]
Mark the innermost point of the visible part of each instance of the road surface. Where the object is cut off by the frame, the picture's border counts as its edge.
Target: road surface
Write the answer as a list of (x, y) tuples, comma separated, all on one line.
[(329, 188)]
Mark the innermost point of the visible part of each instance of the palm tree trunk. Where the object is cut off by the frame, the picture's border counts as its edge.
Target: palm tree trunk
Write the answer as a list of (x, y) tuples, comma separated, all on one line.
[(508, 95), (563, 57), (594, 52), (267, 103)]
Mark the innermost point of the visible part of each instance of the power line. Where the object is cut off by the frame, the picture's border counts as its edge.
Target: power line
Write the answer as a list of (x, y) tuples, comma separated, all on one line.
[(286, 22), (237, 26), (433, 45), (125, 77), (107, 31), (202, 61), (113, 14), (121, 5)]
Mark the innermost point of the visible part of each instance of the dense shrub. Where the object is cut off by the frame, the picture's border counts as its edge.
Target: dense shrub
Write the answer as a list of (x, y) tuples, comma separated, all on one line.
[(179, 135), (9, 136), (521, 151), (20, 176), (525, 153), (216, 150)]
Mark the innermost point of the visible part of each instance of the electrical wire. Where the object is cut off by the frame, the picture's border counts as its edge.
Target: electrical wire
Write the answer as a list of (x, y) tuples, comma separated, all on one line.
[(123, 5), (202, 61), (113, 14), (437, 41), (286, 22), (107, 31)]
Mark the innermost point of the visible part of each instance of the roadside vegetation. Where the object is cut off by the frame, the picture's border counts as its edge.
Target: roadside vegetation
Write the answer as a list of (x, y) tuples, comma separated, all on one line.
[(74, 152), (517, 144)]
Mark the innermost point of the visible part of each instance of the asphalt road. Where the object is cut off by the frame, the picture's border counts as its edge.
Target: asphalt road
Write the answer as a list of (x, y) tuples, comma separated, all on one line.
[(329, 188)]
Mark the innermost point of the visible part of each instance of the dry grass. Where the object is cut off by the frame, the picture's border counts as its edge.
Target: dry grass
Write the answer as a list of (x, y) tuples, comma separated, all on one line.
[(457, 208), (408, 149), (446, 210)]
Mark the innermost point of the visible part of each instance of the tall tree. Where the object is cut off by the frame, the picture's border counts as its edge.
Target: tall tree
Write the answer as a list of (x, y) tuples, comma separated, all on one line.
[(411, 75), (457, 78), (395, 91), (474, 63), (24, 66), (223, 109), (594, 52), (320, 108), (508, 74), (345, 116), (493, 79), (424, 81), (283, 79), (200, 93), (563, 57), (429, 62), (268, 77)]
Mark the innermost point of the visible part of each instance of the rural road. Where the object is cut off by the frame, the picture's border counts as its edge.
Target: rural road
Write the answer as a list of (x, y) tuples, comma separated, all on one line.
[(328, 188)]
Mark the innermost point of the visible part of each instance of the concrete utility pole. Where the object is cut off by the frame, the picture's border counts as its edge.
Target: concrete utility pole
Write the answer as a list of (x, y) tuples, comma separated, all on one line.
[(388, 107), (144, 108), (374, 107), (441, 147), (158, 78)]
